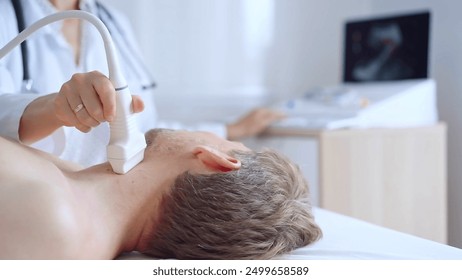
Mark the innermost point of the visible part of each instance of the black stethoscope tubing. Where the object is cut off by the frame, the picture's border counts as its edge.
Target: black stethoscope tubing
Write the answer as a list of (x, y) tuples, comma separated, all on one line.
[(25, 56)]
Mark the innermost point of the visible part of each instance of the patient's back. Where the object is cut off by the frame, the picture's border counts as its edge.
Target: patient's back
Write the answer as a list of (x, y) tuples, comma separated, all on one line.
[(35, 205)]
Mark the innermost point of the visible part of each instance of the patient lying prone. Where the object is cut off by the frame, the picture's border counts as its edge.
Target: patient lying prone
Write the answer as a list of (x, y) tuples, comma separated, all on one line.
[(194, 196)]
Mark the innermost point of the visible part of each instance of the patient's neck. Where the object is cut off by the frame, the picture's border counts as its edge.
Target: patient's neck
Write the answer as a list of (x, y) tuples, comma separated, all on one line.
[(123, 206)]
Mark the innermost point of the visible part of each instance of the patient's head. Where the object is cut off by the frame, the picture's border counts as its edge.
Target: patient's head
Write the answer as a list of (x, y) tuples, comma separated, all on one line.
[(256, 211)]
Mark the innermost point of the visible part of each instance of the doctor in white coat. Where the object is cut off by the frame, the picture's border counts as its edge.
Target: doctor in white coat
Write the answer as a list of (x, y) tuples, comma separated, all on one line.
[(65, 113)]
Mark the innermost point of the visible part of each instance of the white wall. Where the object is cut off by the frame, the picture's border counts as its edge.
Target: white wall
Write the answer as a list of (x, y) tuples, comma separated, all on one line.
[(446, 68), (282, 46), (285, 47)]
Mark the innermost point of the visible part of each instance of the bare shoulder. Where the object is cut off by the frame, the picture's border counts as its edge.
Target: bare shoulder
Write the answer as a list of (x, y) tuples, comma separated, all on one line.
[(29, 201), (14, 152), (39, 213), (36, 222)]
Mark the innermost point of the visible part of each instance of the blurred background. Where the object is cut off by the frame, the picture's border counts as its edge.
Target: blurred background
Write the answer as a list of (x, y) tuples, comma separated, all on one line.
[(248, 50)]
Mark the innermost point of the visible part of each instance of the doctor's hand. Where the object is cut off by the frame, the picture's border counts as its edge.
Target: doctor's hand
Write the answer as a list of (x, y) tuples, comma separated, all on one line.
[(87, 100), (83, 102), (253, 123)]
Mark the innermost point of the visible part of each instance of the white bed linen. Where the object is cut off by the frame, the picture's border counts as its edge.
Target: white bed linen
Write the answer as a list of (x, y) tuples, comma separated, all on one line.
[(348, 238)]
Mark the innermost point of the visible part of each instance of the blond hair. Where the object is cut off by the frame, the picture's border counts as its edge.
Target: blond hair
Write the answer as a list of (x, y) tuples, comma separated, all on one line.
[(257, 212)]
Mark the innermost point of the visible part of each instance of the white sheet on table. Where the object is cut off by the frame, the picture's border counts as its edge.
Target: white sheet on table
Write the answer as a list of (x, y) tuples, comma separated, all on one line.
[(348, 238)]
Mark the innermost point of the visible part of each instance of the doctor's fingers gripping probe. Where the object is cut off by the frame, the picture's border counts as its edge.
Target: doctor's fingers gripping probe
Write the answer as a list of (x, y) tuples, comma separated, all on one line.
[(127, 143)]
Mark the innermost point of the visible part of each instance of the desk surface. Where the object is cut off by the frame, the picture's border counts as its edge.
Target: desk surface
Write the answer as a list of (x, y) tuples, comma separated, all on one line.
[(310, 132)]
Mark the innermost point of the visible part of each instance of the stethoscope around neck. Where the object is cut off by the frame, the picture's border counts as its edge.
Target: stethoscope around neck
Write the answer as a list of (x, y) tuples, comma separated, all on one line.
[(106, 17)]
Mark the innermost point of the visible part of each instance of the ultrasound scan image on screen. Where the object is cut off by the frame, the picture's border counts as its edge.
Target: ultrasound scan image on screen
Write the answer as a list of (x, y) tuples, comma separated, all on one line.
[(387, 48)]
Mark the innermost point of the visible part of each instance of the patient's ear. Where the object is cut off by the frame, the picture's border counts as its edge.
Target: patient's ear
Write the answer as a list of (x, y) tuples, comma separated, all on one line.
[(216, 160)]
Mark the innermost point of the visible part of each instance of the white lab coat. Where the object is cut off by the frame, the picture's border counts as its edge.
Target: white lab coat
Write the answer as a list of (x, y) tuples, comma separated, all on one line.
[(51, 63)]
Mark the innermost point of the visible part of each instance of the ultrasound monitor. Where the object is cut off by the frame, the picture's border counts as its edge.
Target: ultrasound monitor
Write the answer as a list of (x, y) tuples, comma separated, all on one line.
[(387, 48)]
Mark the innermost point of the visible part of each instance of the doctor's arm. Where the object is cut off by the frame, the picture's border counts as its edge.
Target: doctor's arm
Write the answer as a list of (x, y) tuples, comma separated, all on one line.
[(29, 117), (83, 102), (253, 123), (49, 112)]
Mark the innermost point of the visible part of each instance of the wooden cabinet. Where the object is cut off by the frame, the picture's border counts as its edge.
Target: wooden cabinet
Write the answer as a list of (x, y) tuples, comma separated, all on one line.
[(391, 177)]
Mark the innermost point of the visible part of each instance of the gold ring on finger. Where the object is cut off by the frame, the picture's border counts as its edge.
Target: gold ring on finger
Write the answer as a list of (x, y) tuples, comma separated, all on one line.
[(78, 108)]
